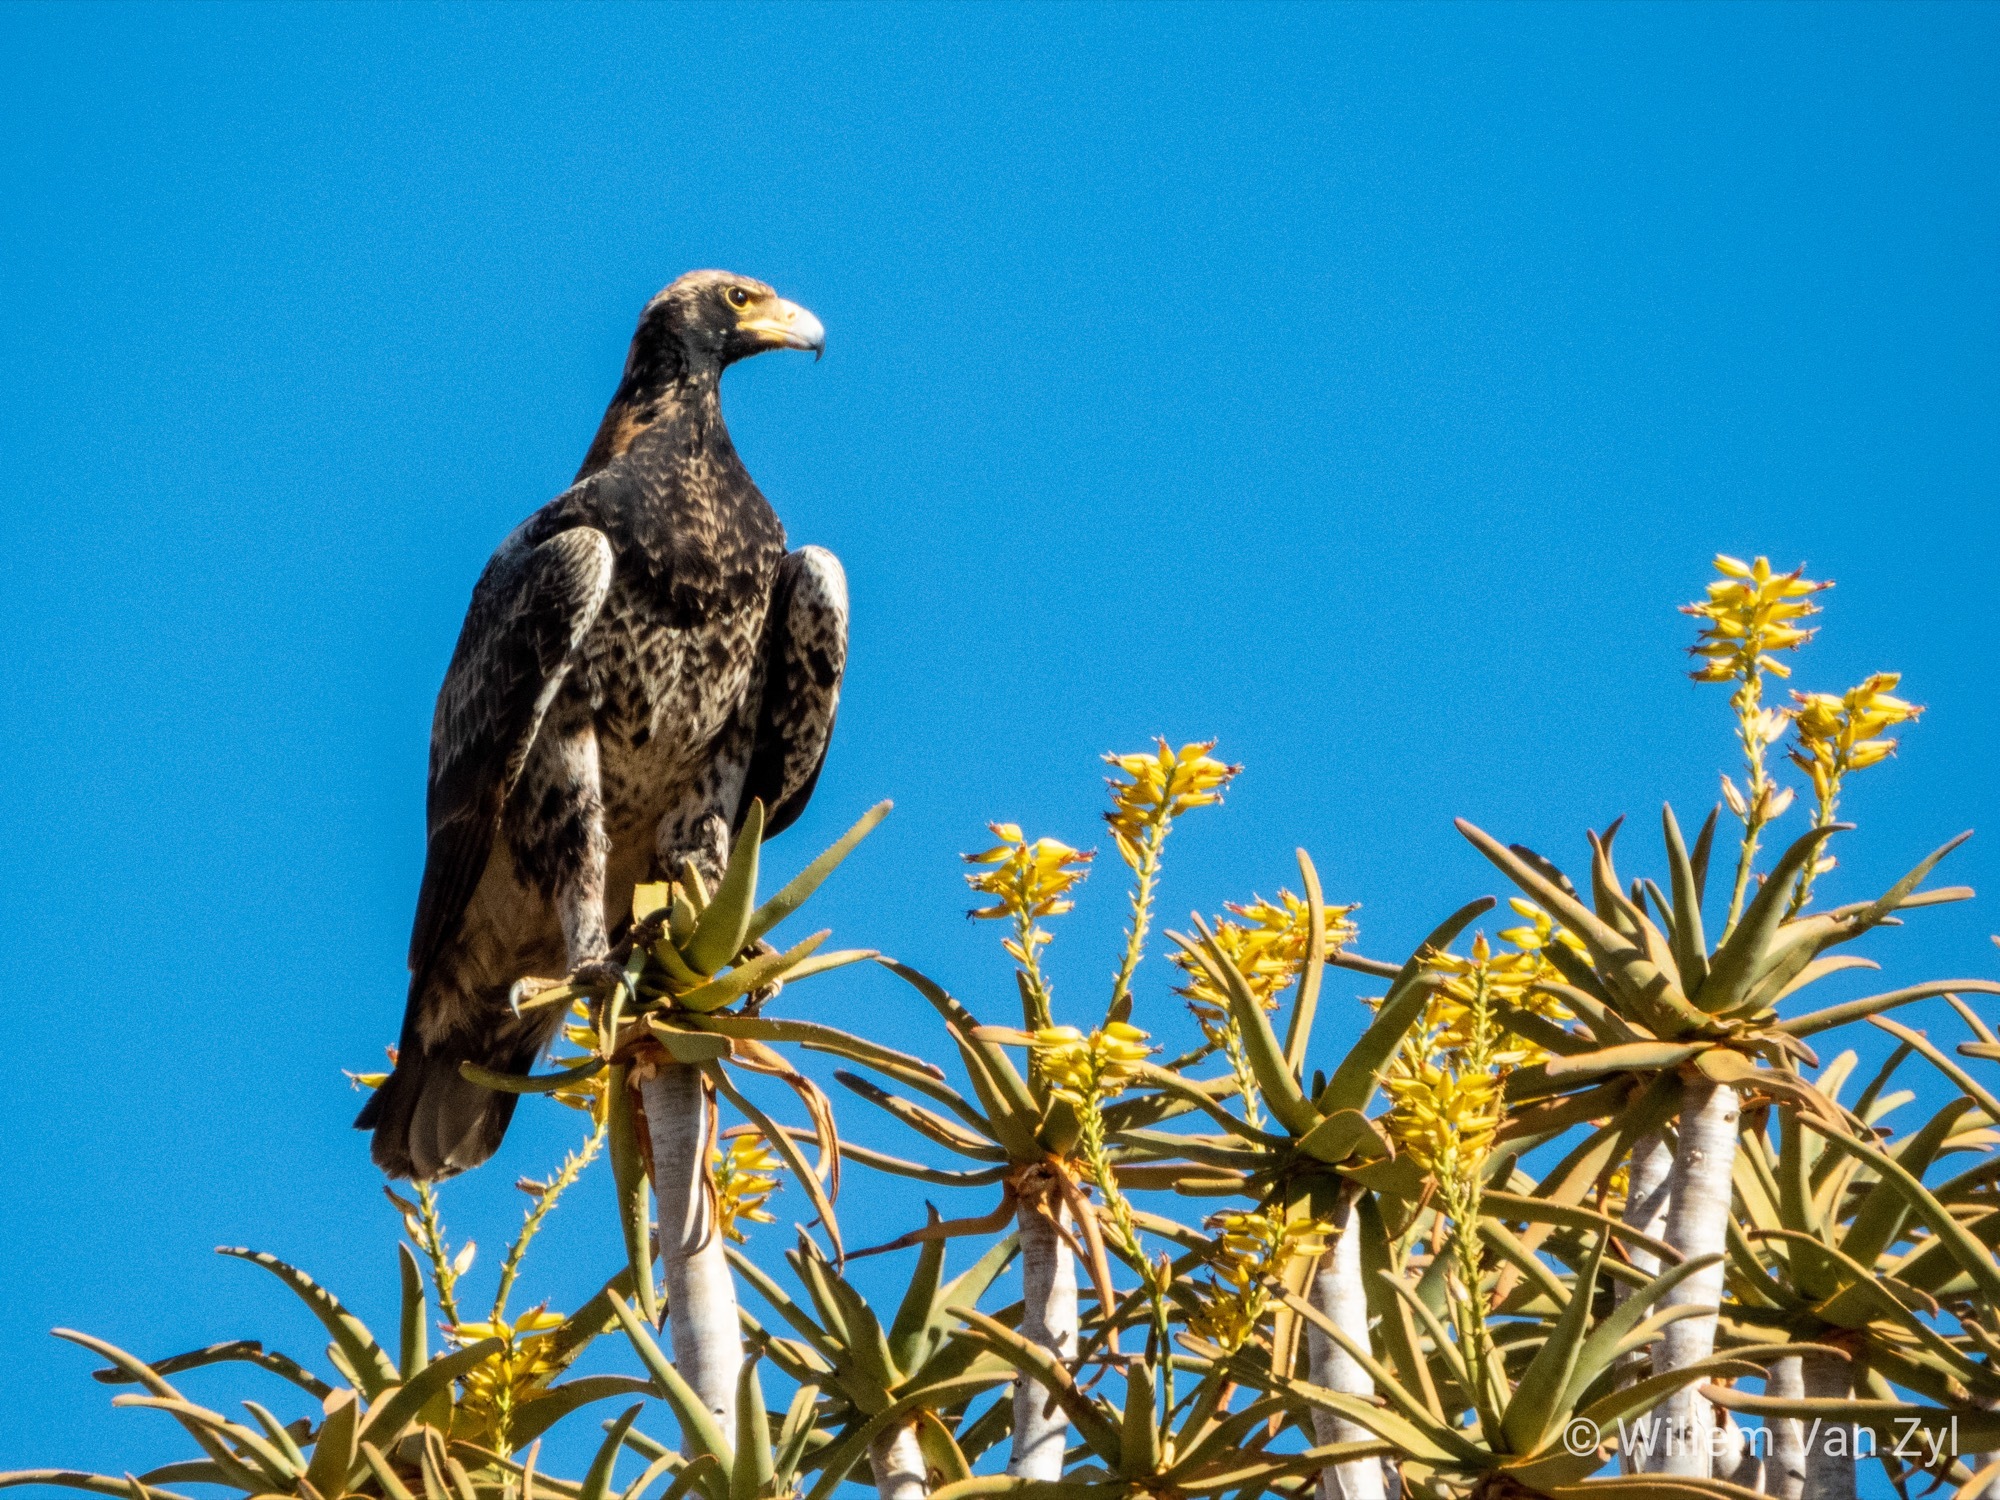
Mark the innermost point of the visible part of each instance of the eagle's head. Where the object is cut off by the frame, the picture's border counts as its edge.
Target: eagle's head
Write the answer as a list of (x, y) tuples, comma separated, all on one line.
[(709, 319), (687, 335)]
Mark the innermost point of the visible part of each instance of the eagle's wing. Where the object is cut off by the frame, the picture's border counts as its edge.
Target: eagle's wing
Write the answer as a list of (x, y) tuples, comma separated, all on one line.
[(805, 653), (530, 608)]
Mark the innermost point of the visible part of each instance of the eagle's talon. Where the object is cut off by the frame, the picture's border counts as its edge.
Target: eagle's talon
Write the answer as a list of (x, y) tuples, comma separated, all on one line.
[(598, 973)]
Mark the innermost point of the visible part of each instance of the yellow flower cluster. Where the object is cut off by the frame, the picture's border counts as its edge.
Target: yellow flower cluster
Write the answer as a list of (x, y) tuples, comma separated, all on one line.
[(497, 1386), (1268, 947), (1505, 978), (745, 1177), (1027, 882), (589, 1095), (1249, 1251), (1445, 1082), (1085, 1069), (1442, 1114), (1750, 613), (1158, 787), (1842, 732)]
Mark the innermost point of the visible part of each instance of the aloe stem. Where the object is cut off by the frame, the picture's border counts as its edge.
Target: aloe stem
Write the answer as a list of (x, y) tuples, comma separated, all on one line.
[(1697, 1225), (701, 1296), (1338, 1292), (1829, 1476), (897, 1460), (1048, 1316), (1647, 1178), (1785, 1471)]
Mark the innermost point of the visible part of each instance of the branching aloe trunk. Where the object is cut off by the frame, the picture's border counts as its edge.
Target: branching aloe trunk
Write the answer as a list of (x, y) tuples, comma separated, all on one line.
[(1697, 1225), (897, 1460), (701, 1296), (1048, 1317), (1647, 1182), (1785, 1470), (1338, 1291), (1829, 1473)]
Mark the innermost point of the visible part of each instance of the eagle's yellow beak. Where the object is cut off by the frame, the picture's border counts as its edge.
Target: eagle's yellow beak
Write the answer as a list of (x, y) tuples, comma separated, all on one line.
[(785, 325)]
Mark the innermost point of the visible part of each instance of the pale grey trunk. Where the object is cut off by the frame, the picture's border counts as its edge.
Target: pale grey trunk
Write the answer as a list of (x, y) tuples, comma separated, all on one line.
[(1785, 1471), (1048, 1316), (1697, 1225), (701, 1296), (1338, 1293), (1830, 1462), (1648, 1176), (1737, 1459), (898, 1461)]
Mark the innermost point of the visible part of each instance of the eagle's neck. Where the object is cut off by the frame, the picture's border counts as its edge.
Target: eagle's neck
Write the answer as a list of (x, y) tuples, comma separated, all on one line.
[(683, 409)]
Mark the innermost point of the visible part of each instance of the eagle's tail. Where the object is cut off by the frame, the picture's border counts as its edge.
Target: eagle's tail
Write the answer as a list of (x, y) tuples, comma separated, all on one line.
[(430, 1121)]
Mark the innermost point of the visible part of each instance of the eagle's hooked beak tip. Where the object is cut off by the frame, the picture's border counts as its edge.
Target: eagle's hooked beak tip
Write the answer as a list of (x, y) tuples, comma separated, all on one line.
[(789, 326)]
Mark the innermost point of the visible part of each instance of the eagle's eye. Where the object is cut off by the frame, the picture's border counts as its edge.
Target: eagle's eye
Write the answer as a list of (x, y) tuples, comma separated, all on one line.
[(738, 296)]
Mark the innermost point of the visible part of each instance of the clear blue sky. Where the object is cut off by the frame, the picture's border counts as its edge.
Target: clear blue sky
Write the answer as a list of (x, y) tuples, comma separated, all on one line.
[(1362, 386)]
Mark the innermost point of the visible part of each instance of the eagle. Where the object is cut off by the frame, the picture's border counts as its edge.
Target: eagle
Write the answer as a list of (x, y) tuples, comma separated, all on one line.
[(641, 658)]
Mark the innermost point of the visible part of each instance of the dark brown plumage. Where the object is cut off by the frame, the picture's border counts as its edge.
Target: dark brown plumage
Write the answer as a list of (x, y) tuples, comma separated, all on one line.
[(641, 657)]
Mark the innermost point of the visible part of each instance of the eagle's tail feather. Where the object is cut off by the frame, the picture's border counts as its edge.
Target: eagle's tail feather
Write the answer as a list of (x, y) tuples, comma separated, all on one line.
[(431, 1122)]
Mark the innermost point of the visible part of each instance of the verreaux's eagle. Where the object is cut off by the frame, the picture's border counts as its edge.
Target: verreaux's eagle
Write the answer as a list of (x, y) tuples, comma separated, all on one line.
[(641, 657)]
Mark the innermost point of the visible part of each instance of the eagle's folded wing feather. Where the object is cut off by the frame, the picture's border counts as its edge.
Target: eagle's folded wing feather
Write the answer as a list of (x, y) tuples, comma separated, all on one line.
[(530, 608), (805, 645)]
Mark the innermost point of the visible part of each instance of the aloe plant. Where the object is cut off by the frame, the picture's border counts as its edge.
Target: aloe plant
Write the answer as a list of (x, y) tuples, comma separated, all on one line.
[(1654, 1001), (388, 1425)]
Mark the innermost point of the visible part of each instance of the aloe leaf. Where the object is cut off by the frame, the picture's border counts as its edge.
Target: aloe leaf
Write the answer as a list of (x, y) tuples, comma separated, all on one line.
[(1042, 1366), (820, 1039), (1267, 1058), (1499, 1204), (792, 895), (837, 1458), (924, 1122), (1971, 1255), (1918, 1042), (1690, 943), (335, 1452), (1192, 1091), (242, 1351), (597, 1479), (1353, 1082), (1879, 1218), (1412, 1408), (1305, 1003), (1855, 1010), (793, 1436), (697, 1423), (746, 977), (724, 925), (372, 1367), (1537, 1399), (634, 1191), (415, 1353), (1602, 1346), (1744, 951), (279, 1437), (751, 1474), (1626, 1057), (82, 1479), (1899, 894), (1138, 1435), (1659, 1004), (398, 1408), (539, 1413), (913, 1312), (1012, 1114), (141, 1373)]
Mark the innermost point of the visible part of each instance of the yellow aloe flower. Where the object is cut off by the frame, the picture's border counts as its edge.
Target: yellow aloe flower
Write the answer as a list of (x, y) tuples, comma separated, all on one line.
[(1268, 947), (1751, 612), (498, 1385), (1160, 785), (1842, 732), (1838, 733), (1249, 1251), (1087, 1069), (745, 1176)]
